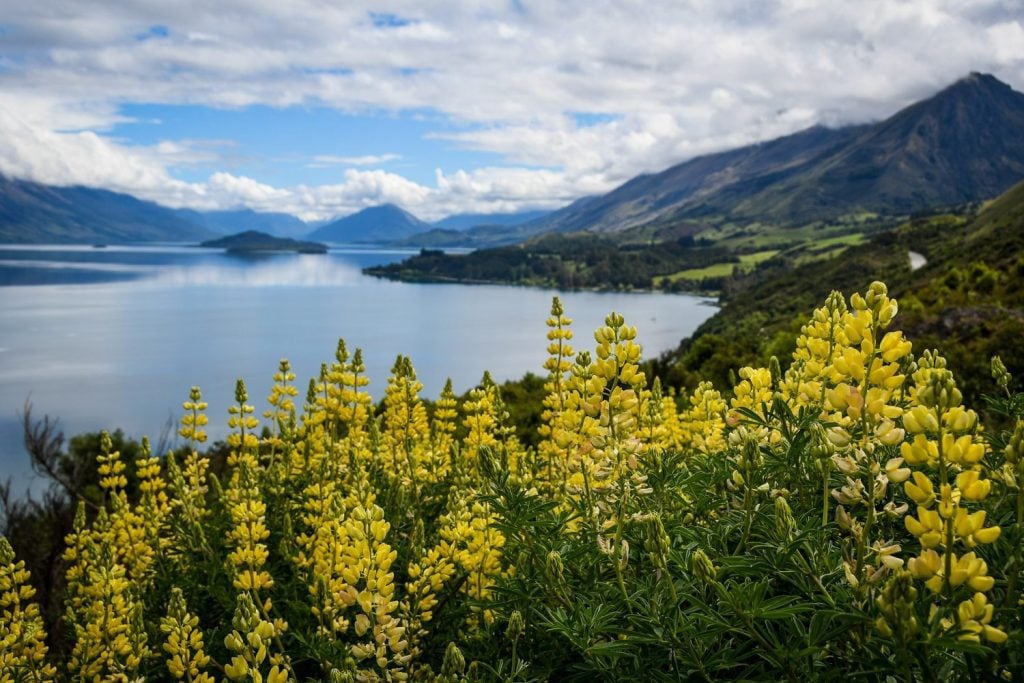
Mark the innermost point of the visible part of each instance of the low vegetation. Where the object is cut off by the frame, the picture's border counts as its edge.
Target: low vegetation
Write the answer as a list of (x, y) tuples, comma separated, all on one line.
[(567, 262), (843, 511)]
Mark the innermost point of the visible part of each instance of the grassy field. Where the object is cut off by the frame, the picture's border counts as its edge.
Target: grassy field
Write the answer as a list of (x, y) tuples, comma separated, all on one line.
[(746, 263)]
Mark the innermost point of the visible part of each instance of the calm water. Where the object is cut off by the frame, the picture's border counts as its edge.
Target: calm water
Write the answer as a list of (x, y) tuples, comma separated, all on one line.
[(114, 337)]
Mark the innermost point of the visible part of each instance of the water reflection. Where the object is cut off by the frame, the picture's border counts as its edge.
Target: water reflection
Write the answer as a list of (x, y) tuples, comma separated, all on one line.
[(264, 270), (185, 266), (107, 353)]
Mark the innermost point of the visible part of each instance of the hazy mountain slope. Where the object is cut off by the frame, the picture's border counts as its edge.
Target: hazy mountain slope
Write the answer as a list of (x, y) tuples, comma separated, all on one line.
[(465, 221), (239, 220), (647, 197), (32, 212), (964, 144), (373, 225)]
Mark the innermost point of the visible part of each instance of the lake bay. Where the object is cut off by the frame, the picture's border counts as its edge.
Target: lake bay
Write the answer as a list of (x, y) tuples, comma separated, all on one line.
[(114, 337)]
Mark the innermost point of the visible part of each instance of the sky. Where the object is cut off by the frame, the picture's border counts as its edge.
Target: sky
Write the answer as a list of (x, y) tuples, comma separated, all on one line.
[(320, 108)]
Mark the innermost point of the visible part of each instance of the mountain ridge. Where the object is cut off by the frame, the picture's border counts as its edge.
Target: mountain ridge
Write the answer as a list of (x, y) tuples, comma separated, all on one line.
[(32, 212), (467, 221), (963, 144), (241, 219), (376, 224)]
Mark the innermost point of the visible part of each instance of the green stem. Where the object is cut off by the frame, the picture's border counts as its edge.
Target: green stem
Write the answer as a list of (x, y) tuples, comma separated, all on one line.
[(948, 523), (1011, 583), (824, 493)]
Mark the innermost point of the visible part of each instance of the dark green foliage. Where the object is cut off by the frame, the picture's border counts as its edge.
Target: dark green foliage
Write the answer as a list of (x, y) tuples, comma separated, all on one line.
[(967, 301), (566, 262), (524, 402), (778, 608), (252, 240)]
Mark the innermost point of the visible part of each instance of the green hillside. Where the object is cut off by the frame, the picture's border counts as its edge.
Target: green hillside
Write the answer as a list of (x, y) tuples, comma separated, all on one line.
[(967, 300)]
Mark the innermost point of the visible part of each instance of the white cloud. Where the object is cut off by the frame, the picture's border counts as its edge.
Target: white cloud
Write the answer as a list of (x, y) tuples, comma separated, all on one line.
[(322, 160), (669, 79)]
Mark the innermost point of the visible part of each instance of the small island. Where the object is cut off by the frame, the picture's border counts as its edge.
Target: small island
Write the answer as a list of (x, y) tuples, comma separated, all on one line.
[(255, 241)]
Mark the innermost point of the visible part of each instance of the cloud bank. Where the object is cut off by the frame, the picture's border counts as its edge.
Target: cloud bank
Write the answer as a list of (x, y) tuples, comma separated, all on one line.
[(572, 97)]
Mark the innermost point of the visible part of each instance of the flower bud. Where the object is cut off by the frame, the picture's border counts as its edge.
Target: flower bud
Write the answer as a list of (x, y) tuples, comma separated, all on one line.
[(703, 568), (1000, 373), (454, 662), (555, 568), (785, 525), (516, 625)]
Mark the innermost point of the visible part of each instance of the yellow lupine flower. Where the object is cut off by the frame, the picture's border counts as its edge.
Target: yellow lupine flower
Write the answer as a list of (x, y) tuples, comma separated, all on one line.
[(974, 616), (243, 442), (194, 419), (920, 490), (254, 643), (184, 642), (22, 636), (894, 347), (920, 451), (927, 526), (920, 419), (248, 531), (442, 427)]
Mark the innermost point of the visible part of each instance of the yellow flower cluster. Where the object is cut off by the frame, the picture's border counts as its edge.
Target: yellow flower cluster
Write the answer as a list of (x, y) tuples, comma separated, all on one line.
[(248, 531), (184, 642), (703, 424), (254, 643), (366, 525), (848, 363), (407, 455), (558, 364), (22, 637), (427, 578), (243, 442), (947, 486), (475, 547), (194, 419), (102, 608)]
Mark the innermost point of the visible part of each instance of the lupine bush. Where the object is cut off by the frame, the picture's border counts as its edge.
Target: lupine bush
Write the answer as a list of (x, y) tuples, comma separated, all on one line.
[(847, 514)]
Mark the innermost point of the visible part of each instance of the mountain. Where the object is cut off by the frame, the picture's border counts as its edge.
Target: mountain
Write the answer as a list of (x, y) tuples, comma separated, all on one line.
[(238, 220), (465, 221), (478, 237), (964, 144), (33, 212), (255, 241), (377, 224)]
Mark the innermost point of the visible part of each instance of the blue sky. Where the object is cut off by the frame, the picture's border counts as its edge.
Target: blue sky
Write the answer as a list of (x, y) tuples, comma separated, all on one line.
[(301, 144), (321, 109)]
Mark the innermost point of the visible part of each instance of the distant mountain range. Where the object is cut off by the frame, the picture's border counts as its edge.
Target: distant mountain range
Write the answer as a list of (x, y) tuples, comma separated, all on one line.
[(466, 221), (238, 220), (376, 224), (31, 212), (964, 144), (389, 224)]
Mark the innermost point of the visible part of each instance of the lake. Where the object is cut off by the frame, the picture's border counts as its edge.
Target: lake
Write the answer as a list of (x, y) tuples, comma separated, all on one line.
[(113, 337)]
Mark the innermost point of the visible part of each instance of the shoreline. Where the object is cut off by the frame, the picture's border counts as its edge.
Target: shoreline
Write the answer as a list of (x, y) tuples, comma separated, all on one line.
[(440, 280)]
